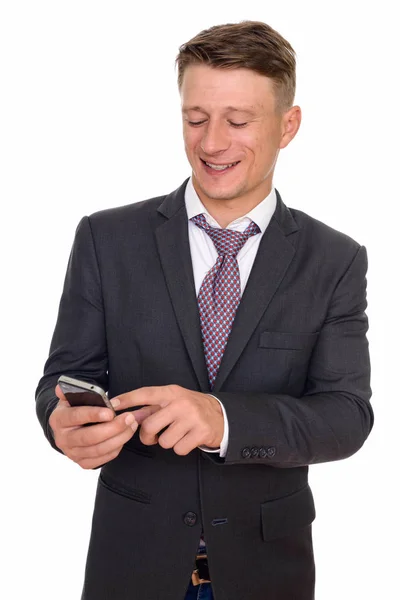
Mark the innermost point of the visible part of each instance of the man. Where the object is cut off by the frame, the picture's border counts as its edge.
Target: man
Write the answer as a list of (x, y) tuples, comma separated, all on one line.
[(230, 333)]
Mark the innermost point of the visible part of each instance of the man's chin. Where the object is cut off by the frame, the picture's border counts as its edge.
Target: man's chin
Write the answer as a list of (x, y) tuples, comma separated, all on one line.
[(218, 192)]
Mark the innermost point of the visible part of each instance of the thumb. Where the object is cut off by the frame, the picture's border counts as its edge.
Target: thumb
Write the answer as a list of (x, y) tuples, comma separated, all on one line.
[(62, 399)]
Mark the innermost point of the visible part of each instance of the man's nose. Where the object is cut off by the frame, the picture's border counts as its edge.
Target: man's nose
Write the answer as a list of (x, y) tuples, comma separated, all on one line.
[(215, 139)]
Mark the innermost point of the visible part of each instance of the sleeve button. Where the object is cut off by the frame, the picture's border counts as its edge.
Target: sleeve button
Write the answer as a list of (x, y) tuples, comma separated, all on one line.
[(263, 452), (246, 452), (255, 451)]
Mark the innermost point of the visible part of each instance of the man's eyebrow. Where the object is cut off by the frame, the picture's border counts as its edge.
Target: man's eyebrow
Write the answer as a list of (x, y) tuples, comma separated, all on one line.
[(245, 109)]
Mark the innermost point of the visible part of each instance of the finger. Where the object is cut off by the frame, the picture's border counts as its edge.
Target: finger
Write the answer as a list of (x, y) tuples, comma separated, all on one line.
[(60, 395), (151, 426), (96, 434), (105, 447), (144, 396), (93, 463), (173, 434), (143, 413), (79, 415), (188, 443)]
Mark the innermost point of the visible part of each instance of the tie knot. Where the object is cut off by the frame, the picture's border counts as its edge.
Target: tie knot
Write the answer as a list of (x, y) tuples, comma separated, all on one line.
[(226, 241)]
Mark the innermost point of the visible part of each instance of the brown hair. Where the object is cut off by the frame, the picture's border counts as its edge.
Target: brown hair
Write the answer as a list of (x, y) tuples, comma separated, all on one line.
[(250, 45)]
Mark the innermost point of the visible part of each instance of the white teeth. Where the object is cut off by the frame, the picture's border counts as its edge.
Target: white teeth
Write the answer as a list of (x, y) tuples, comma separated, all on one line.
[(219, 167)]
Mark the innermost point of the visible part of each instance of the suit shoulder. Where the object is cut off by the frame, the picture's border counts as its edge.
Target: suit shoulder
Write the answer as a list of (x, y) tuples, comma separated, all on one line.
[(137, 211), (319, 233)]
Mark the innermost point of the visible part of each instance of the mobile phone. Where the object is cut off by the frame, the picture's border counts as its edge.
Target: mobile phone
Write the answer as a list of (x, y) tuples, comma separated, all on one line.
[(82, 393)]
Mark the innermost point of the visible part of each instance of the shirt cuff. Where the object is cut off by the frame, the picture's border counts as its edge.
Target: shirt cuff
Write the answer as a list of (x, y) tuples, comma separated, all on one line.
[(224, 443)]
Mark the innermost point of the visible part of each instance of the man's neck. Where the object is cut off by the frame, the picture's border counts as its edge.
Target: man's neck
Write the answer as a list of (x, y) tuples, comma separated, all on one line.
[(226, 211)]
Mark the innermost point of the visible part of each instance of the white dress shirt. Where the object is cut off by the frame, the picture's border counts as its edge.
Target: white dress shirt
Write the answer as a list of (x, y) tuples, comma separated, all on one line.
[(204, 255)]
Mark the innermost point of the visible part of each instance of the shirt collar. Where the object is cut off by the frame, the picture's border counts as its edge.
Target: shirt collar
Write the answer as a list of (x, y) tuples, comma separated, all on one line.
[(260, 214)]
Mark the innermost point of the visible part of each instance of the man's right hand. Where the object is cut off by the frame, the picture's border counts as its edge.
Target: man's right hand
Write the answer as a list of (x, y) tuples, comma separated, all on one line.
[(91, 446)]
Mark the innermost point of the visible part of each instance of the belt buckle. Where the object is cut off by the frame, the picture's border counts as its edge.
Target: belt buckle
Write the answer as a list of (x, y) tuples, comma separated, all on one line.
[(196, 579)]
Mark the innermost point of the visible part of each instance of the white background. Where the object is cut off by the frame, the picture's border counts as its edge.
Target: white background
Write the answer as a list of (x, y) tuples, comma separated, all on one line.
[(90, 118)]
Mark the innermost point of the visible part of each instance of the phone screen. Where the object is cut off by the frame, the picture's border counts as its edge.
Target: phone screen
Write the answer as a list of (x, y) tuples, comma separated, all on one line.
[(84, 398), (82, 393)]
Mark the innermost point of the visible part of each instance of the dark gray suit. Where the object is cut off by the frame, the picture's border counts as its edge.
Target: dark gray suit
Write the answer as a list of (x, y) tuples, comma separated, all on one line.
[(294, 381)]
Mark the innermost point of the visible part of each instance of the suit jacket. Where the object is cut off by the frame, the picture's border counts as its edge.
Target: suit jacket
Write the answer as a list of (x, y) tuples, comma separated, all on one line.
[(294, 381)]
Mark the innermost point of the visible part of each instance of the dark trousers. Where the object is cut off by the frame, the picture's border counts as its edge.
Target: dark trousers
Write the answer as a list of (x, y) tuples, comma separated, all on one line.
[(199, 592), (202, 591)]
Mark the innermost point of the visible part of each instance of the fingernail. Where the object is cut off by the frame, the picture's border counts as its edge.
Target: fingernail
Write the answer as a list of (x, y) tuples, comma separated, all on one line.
[(115, 402), (104, 414), (129, 419)]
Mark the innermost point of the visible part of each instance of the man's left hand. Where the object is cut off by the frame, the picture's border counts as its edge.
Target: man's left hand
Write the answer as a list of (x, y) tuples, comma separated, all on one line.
[(192, 418)]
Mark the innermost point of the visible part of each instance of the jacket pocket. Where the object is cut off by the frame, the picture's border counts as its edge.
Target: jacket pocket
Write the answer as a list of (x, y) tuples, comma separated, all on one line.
[(284, 516), (287, 341), (113, 486)]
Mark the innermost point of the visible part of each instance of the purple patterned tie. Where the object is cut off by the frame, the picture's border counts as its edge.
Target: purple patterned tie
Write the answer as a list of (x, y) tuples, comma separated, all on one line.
[(219, 295)]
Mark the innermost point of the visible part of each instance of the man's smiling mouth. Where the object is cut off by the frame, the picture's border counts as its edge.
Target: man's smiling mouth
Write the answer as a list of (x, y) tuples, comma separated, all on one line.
[(219, 167)]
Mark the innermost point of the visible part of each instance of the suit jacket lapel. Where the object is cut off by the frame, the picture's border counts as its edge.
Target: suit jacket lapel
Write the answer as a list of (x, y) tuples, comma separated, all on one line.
[(274, 256), (173, 245)]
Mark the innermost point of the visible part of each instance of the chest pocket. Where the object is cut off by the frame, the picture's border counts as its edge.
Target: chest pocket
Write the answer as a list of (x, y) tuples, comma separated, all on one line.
[(285, 358)]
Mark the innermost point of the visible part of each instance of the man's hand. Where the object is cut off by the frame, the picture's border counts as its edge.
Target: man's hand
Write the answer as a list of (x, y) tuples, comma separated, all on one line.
[(91, 446), (192, 418)]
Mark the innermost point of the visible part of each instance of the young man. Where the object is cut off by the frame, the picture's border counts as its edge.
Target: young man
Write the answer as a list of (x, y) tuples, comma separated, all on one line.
[(235, 328)]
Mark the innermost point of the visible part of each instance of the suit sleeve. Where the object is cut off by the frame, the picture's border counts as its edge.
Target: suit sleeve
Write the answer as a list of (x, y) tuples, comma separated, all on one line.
[(333, 417), (78, 347)]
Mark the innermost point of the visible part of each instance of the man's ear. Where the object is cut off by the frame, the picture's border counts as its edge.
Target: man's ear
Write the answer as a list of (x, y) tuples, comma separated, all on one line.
[(290, 125)]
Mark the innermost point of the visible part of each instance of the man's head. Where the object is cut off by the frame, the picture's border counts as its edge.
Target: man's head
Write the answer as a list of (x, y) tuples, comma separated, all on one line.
[(237, 84)]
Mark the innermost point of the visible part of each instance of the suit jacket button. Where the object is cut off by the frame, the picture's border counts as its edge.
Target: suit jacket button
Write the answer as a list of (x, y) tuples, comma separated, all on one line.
[(271, 451), (246, 452), (255, 451), (190, 519), (263, 452)]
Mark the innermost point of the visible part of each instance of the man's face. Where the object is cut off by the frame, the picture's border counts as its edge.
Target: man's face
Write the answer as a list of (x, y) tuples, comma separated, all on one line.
[(229, 116)]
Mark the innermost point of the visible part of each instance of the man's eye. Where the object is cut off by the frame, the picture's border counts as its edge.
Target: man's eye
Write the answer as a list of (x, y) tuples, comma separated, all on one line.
[(197, 123)]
